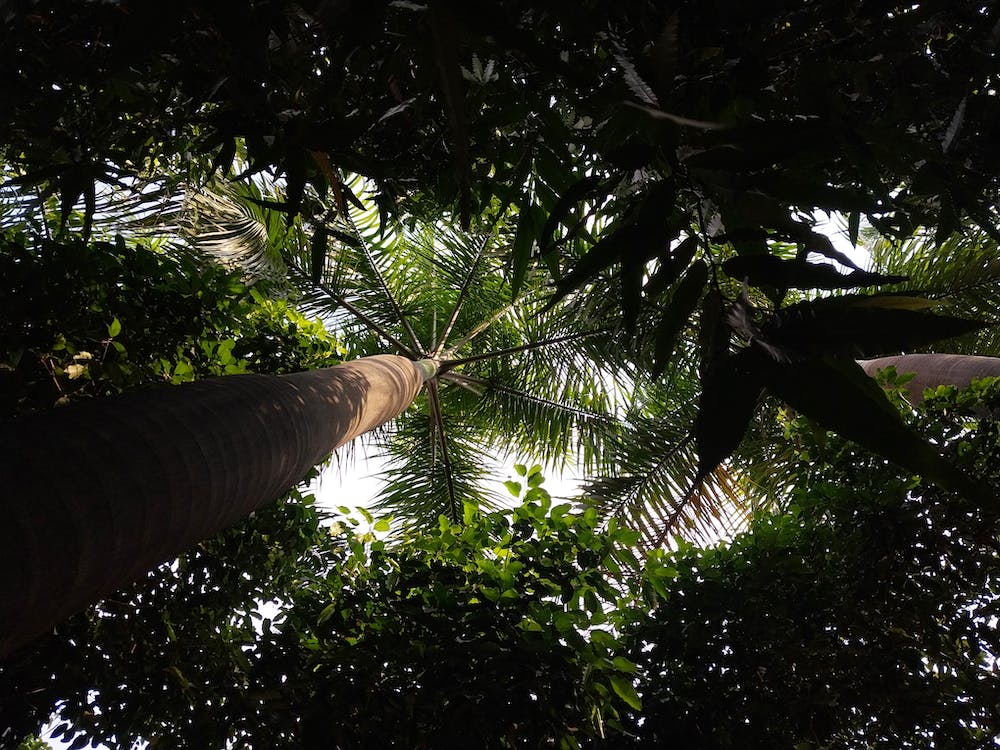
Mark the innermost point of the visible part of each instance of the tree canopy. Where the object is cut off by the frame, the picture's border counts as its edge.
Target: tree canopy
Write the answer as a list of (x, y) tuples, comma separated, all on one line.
[(652, 172), (661, 155)]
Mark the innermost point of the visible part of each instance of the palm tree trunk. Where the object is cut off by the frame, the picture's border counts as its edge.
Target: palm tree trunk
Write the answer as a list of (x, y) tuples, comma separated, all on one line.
[(96, 494), (932, 370)]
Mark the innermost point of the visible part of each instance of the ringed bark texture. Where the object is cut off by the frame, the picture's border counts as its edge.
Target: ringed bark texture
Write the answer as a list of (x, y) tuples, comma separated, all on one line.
[(94, 495), (932, 370)]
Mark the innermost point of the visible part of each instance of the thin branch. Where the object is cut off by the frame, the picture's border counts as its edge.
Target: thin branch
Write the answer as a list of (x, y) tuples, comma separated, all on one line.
[(466, 283), (357, 313), (385, 287), (438, 420), (451, 363)]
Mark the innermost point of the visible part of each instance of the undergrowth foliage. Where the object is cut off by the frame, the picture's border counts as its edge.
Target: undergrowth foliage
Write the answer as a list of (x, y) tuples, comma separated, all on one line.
[(861, 614)]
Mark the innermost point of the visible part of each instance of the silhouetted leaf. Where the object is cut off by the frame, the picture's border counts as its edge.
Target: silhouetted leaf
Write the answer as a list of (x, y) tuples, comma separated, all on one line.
[(838, 395), (853, 227), (444, 35), (223, 160), (731, 388), (670, 268), (295, 177), (858, 327), (643, 235), (525, 235), (573, 195), (318, 253), (768, 270), (682, 304), (713, 333), (72, 184), (818, 243)]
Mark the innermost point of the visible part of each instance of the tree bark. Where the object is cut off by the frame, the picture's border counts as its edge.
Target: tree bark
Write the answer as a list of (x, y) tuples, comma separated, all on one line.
[(932, 370), (96, 494)]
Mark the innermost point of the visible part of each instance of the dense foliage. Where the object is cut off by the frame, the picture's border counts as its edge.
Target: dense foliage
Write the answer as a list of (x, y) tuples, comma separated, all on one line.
[(660, 166), (862, 615), (667, 152), (90, 320)]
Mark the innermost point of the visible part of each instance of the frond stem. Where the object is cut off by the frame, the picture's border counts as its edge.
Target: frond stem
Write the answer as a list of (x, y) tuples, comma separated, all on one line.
[(385, 287), (448, 364), (438, 421), (357, 313), (470, 380), (654, 470), (482, 327), (466, 283)]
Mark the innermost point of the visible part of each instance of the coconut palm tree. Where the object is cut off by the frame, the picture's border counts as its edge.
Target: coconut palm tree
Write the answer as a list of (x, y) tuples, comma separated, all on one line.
[(97, 493), (144, 476)]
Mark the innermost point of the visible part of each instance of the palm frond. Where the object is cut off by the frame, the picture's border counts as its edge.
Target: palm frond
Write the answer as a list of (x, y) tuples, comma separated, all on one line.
[(418, 484), (962, 272)]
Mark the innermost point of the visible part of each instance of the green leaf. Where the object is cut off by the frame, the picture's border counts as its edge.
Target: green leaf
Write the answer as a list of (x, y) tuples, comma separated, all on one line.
[(624, 665), (381, 525), (114, 328), (514, 488), (326, 613), (626, 691)]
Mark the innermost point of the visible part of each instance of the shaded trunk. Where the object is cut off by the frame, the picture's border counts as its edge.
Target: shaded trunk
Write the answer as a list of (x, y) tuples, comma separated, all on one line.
[(932, 370), (96, 494)]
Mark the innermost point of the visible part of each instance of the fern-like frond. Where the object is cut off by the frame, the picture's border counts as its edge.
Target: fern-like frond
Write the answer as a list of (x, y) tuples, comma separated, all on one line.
[(963, 273)]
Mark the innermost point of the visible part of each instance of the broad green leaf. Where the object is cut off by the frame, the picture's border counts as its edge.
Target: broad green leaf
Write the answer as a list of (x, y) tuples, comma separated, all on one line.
[(768, 270), (326, 613), (626, 691), (114, 328), (381, 525), (857, 327), (514, 488), (896, 302), (624, 665)]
